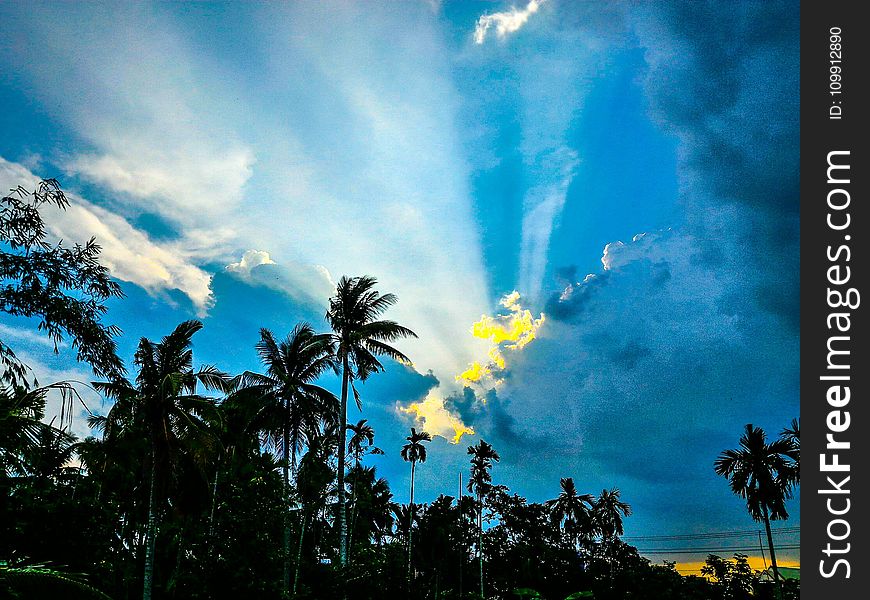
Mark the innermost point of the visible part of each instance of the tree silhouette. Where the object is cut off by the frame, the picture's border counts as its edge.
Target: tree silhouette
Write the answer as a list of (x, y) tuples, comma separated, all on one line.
[(759, 472), (480, 482), (163, 404), (292, 405), (413, 452), (65, 288), (359, 339), (571, 510)]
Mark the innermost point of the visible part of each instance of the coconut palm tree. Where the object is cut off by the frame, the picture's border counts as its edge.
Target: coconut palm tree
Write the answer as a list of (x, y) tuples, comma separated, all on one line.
[(792, 435), (312, 486), (607, 513), (361, 442), (21, 424), (480, 482), (759, 472), (413, 452), (291, 404), (359, 339), (571, 511), (163, 404)]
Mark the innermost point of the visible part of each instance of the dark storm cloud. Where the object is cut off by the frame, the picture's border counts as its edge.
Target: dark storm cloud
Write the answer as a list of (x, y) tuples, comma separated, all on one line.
[(489, 414), (574, 298), (649, 369)]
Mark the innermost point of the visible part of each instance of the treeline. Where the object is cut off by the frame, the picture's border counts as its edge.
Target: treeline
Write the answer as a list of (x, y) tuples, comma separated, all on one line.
[(202, 484)]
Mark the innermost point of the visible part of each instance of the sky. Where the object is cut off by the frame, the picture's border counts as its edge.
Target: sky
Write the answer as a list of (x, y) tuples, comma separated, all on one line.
[(588, 211)]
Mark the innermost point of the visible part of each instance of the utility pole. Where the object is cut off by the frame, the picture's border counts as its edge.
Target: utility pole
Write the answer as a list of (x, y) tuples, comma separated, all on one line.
[(461, 549)]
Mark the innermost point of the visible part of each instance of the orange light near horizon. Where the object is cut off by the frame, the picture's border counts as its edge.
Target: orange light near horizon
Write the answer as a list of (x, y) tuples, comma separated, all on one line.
[(757, 563)]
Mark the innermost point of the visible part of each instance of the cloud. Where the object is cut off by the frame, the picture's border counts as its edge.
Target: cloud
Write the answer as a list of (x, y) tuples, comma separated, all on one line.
[(509, 332), (249, 260), (506, 333), (162, 137), (307, 284), (542, 206), (28, 336), (433, 415), (505, 22), (178, 179), (129, 253)]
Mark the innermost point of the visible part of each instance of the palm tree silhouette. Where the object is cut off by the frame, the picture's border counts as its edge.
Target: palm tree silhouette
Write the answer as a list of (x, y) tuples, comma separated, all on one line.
[(480, 482), (760, 473), (361, 442), (792, 435), (571, 511), (359, 339), (414, 451), (291, 405), (164, 405), (607, 513)]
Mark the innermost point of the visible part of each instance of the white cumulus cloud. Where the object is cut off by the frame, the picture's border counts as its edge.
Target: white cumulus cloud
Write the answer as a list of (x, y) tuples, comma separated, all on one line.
[(505, 22), (128, 252)]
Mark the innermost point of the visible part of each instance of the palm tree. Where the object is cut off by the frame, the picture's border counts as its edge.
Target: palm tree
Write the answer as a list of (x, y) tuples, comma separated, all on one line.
[(292, 406), (359, 339), (759, 473), (792, 435), (361, 442), (312, 486), (482, 457), (571, 511), (21, 425), (163, 403), (607, 513), (413, 452)]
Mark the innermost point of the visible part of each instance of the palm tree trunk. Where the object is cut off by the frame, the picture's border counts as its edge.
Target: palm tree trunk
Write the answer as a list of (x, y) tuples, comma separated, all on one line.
[(353, 510), (342, 442), (299, 552), (411, 523), (480, 541), (151, 531), (285, 588), (214, 488), (772, 552)]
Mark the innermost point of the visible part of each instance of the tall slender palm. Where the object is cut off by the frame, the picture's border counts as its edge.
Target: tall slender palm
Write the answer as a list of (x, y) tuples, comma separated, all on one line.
[(480, 482), (162, 402), (570, 510), (413, 452), (757, 472), (313, 482), (361, 441), (292, 405), (359, 339)]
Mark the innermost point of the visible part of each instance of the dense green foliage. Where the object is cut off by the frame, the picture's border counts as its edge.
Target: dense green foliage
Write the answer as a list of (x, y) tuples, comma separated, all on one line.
[(65, 288)]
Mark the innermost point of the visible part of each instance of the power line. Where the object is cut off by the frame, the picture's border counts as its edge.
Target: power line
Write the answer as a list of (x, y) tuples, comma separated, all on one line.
[(710, 550), (711, 535)]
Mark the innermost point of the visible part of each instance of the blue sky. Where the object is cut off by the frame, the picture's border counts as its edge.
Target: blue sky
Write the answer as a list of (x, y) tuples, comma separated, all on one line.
[(629, 169)]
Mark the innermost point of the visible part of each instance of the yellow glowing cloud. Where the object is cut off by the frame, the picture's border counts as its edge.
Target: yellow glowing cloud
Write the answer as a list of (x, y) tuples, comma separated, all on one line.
[(512, 331), (434, 416), (474, 373)]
